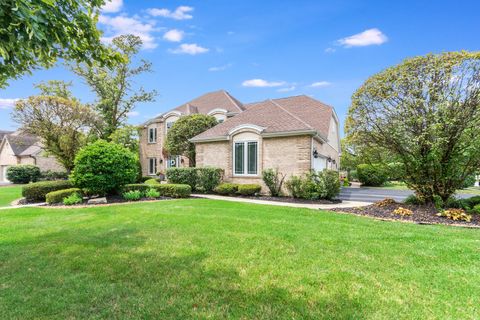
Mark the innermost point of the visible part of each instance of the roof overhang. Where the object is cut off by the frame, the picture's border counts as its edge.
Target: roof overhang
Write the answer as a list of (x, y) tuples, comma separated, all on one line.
[(279, 134)]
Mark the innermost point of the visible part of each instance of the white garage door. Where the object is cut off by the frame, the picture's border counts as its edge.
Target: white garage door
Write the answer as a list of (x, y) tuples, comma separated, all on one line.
[(319, 164)]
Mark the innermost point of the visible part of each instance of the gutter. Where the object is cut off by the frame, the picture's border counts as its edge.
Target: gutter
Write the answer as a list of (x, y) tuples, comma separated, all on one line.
[(313, 133)]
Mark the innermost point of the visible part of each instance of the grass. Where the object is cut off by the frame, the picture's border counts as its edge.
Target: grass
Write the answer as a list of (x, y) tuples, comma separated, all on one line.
[(8, 194), (198, 259)]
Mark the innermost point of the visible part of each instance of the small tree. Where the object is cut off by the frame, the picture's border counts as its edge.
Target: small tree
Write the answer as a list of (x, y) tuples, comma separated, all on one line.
[(185, 128), (114, 86), (103, 167), (426, 112), (37, 33), (60, 123), (128, 137)]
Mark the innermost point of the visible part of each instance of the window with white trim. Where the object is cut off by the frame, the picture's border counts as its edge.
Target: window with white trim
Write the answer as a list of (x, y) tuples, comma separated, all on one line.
[(169, 125), (152, 166), (152, 135), (245, 158)]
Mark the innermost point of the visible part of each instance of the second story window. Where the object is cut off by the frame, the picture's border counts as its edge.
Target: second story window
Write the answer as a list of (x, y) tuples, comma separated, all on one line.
[(152, 135), (169, 125)]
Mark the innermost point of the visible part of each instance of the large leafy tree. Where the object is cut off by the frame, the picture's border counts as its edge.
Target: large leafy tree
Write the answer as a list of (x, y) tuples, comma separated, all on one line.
[(35, 33), (183, 130), (61, 122), (114, 86), (426, 113)]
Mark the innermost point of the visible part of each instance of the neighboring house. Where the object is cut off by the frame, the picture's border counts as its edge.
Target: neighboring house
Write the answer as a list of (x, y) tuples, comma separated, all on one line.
[(293, 135), (19, 148)]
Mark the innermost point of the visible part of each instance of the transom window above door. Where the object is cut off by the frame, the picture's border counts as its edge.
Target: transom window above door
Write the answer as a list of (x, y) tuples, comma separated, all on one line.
[(245, 158)]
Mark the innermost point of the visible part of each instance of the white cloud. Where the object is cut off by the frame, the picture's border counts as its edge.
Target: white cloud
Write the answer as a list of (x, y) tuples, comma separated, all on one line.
[(330, 50), (133, 113), (320, 84), (174, 35), (112, 6), (189, 48), (181, 13), (287, 89), (365, 38), (123, 24), (260, 83), (220, 68), (7, 103)]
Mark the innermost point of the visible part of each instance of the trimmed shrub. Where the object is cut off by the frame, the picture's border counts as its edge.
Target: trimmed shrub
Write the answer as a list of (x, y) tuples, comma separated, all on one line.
[(23, 173), (165, 190), (37, 191), (182, 176), (372, 175), (72, 199), (152, 193), (274, 181), (143, 179), (413, 200), (132, 195), (104, 167), (59, 195), (475, 209), (313, 186), (152, 181), (227, 188), (295, 186), (249, 189), (330, 183), (50, 175), (208, 178)]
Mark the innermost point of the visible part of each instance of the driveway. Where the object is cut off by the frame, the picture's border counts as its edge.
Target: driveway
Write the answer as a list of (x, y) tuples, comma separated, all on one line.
[(365, 194)]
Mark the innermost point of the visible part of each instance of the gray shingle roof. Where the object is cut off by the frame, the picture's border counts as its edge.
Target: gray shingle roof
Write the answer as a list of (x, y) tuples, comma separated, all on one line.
[(298, 113), (20, 142)]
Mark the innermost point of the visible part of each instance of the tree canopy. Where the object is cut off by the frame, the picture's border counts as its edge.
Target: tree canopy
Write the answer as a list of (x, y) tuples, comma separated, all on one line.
[(37, 33), (425, 112), (185, 128), (60, 122), (114, 85)]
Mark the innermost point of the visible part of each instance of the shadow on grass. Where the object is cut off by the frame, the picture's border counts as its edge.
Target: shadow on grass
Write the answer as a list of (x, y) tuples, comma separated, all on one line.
[(119, 273)]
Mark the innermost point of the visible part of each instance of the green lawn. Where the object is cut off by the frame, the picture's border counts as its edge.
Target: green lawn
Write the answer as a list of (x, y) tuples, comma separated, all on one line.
[(8, 194), (201, 259)]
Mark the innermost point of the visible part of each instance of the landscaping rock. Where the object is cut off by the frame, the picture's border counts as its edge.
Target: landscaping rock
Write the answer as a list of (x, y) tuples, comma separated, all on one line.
[(102, 200)]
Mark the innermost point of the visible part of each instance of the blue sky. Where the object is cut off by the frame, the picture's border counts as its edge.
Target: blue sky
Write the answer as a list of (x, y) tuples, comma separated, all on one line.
[(267, 49)]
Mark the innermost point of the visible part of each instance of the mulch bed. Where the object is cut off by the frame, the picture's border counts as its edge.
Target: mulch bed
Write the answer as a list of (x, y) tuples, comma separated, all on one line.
[(421, 214)]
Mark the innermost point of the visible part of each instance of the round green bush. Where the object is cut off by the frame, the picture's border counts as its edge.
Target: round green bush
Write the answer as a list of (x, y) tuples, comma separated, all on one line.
[(23, 173), (59, 195), (152, 181), (226, 188), (104, 167), (372, 175), (249, 189)]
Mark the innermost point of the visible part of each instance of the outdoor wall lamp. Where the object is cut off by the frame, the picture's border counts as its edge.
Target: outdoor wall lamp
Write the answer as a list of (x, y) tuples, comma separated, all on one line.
[(315, 153), (329, 159), (161, 161)]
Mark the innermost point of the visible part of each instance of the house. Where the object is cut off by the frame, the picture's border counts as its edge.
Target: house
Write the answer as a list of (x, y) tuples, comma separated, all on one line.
[(20, 148), (294, 135)]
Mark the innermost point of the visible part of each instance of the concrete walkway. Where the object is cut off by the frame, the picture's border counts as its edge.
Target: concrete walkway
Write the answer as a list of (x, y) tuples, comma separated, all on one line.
[(344, 204)]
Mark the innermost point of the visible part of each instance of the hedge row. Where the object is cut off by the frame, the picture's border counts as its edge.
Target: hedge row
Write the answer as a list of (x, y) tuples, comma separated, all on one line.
[(59, 195), (38, 191), (235, 188), (200, 179), (165, 190)]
